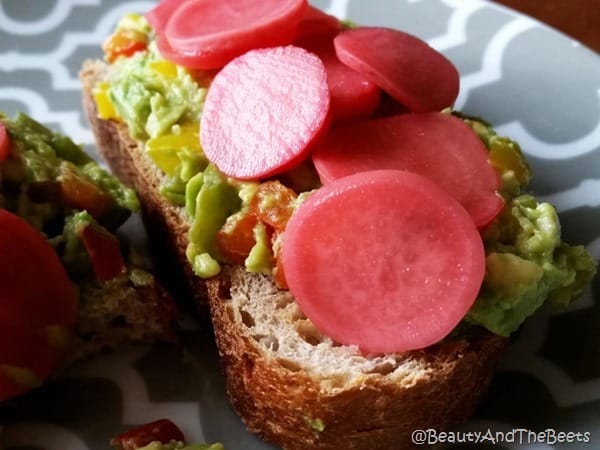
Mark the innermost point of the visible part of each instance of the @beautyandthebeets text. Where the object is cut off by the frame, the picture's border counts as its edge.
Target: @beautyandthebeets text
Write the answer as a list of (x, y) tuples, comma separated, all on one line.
[(519, 436)]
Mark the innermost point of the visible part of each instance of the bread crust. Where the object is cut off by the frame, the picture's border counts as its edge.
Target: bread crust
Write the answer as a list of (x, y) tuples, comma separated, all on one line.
[(166, 224), (282, 404), (288, 405)]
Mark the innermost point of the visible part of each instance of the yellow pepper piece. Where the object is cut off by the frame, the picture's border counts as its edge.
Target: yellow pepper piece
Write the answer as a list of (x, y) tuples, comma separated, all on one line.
[(505, 156), (165, 68), (105, 108), (163, 149)]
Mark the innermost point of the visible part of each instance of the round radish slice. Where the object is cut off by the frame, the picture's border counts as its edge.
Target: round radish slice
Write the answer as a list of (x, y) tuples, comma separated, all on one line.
[(384, 260), (263, 110), (317, 24), (438, 146), (404, 66), (352, 94), (4, 143), (216, 31), (159, 16)]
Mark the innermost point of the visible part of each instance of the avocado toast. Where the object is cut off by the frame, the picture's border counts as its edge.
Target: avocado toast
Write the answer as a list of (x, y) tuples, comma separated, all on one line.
[(290, 382), (50, 186)]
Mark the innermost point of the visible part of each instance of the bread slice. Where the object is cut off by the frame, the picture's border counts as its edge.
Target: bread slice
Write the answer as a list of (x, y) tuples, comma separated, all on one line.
[(167, 225), (133, 308), (290, 384)]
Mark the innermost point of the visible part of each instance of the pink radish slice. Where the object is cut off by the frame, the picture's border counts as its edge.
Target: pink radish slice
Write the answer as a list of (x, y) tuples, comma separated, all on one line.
[(352, 94), (438, 146), (263, 111), (402, 65), (185, 59), (390, 275), (161, 13), (216, 31), (317, 24)]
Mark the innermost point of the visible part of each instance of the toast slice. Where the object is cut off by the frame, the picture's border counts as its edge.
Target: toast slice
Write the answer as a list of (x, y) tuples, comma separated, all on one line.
[(133, 308), (290, 384)]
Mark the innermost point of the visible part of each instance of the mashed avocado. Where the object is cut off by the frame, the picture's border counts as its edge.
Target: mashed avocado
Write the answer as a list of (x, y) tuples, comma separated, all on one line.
[(527, 263), (53, 184), (181, 446)]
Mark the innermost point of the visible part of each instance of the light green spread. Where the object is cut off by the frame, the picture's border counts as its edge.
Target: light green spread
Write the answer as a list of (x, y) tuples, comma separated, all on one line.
[(215, 200), (527, 262), (43, 164), (175, 445)]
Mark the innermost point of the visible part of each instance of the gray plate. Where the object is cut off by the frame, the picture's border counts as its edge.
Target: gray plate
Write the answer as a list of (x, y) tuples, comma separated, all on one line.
[(529, 81)]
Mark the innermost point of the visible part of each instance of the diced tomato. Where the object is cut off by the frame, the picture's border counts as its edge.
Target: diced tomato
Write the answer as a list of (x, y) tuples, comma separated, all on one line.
[(384, 260), (278, 270), (4, 143), (79, 193), (229, 28), (273, 203), (104, 252), (236, 238), (404, 66), (252, 126), (162, 430), (124, 43), (36, 295)]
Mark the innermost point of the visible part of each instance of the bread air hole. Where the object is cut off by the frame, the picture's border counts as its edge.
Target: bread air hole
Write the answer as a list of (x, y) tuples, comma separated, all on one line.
[(247, 318), (308, 333), (289, 365), (384, 368)]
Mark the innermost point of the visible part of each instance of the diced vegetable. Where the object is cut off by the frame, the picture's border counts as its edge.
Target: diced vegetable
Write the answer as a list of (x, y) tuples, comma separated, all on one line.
[(82, 194), (162, 430), (125, 42), (104, 252), (273, 203), (235, 239)]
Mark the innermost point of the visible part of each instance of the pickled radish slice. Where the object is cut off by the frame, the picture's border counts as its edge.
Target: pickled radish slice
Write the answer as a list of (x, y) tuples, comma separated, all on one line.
[(403, 65), (263, 111), (317, 24), (213, 32), (438, 146), (352, 94), (4, 143), (390, 275)]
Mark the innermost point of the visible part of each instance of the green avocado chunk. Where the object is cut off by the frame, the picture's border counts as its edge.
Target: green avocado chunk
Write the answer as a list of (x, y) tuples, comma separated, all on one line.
[(52, 183), (174, 445), (527, 264), (214, 199)]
